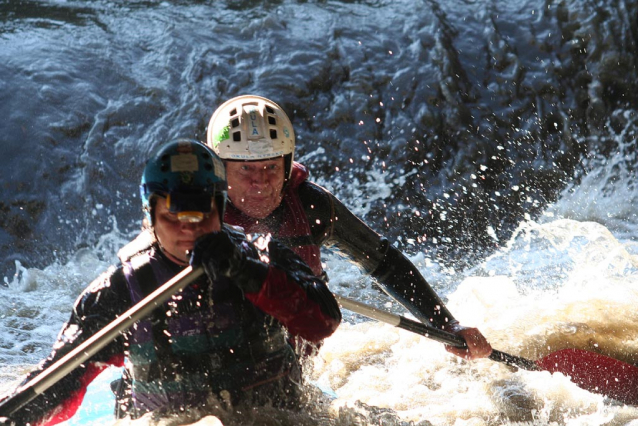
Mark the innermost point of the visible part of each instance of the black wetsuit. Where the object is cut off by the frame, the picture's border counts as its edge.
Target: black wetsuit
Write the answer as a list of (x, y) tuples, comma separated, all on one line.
[(335, 227)]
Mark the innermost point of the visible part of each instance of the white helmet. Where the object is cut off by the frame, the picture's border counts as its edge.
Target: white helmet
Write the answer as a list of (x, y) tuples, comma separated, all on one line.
[(252, 128)]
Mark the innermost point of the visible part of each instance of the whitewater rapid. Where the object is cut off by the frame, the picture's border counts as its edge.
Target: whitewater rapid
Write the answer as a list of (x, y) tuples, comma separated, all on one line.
[(555, 285)]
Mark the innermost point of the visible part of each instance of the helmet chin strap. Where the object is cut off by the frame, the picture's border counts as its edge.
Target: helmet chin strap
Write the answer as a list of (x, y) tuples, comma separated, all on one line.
[(175, 259)]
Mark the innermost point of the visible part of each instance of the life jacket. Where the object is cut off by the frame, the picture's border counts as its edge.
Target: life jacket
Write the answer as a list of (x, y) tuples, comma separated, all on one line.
[(291, 228), (206, 339)]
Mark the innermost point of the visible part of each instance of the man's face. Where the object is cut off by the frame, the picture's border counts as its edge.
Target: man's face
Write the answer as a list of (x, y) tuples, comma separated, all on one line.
[(255, 187), (178, 238)]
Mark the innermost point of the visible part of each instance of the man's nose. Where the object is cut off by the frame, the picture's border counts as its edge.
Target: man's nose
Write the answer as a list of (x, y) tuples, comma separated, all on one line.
[(260, 177)]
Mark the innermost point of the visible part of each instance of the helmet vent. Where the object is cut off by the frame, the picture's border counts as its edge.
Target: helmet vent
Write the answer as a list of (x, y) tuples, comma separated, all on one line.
[(270, 110), (233, 112), (272, 121), (237, 136), (273, 134), (234, 122)]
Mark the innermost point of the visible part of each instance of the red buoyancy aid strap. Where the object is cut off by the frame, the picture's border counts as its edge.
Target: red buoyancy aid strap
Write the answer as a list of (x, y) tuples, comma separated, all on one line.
[(295, 222), (298, 176)]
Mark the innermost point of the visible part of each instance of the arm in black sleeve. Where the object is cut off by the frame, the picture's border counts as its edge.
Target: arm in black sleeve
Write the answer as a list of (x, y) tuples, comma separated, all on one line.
[(334, 226), (97, 306), (401, 280), (314, 287), (300, 300), (278, 281)]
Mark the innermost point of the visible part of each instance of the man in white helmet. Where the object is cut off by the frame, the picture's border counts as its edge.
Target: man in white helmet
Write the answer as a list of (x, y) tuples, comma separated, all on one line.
[(269, 193)]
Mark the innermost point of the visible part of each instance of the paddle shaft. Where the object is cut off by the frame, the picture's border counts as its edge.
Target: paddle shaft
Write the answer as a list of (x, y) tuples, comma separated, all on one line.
[(90, 347), (430, 332)]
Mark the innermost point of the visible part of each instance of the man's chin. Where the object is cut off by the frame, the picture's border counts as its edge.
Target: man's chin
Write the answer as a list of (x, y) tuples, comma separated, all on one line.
[(257, 212)]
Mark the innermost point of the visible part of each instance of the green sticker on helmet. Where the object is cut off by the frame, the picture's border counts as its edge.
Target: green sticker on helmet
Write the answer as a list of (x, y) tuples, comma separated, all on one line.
[(222, 135)]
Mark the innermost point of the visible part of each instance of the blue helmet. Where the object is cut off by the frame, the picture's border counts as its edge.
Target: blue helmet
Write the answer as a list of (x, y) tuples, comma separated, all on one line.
[(189, 175)]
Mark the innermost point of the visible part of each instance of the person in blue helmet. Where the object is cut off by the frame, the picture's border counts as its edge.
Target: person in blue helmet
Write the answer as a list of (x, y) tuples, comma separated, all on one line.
[(270, 193), (225, 337)]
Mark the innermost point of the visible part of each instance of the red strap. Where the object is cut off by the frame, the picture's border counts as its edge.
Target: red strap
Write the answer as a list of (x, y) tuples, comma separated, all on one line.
[(70, 406)]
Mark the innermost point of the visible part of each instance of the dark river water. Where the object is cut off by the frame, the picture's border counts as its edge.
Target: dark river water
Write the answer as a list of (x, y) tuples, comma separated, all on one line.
[(472, 113)]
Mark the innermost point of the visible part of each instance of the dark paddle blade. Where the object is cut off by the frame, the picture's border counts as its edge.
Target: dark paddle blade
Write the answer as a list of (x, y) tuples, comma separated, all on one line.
[(595, 373)]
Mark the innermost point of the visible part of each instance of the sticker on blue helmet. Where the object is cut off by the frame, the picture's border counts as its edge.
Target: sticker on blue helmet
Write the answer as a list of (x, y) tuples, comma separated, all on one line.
[(184, 163)]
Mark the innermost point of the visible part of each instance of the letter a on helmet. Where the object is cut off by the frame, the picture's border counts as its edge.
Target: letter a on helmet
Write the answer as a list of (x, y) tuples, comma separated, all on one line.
[(252, 128)]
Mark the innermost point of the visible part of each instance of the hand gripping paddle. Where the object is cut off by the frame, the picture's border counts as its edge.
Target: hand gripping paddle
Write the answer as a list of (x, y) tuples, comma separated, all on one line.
[(591, 371)]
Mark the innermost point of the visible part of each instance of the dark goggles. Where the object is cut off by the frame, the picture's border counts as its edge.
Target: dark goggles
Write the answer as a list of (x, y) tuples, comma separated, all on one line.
[(189, 207)]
